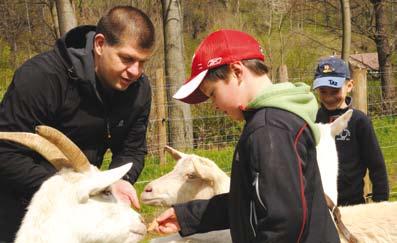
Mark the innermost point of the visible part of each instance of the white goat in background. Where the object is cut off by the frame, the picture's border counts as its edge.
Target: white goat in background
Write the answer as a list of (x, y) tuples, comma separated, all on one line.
[(375, 222), (75, 205), (193, 177), (327, 156)]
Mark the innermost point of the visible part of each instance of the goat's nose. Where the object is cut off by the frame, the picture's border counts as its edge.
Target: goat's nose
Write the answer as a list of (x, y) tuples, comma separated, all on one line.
[(148, 189)]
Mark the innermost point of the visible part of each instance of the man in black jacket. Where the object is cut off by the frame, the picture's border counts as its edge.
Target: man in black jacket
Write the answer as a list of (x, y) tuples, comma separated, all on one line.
[(91, 87)]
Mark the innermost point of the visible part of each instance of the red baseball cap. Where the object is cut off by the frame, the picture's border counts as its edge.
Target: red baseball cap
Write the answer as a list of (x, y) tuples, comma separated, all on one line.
[(219, 48)]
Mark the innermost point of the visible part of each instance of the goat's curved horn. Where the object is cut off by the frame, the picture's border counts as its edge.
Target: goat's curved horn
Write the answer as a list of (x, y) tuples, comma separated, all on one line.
[(39, 144), (78, 160), (174, 153)]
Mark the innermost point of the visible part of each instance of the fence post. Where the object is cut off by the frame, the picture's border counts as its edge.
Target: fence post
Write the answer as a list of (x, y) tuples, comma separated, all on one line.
[(360, 102), (160, 114), (359, 75)]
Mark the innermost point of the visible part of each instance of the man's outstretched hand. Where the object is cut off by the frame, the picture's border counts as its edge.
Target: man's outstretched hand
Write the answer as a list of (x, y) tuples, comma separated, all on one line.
[(125, 192)]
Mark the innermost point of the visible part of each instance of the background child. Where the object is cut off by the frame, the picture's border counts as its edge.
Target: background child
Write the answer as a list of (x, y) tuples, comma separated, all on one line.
[(358, 148), (275, 192)]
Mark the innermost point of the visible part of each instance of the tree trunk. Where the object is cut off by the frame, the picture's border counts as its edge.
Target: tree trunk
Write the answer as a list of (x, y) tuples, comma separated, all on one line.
[(282, 72), (180, 123), (346, 20), (326, 13), (54, 17), (66, 17), (384, 49)]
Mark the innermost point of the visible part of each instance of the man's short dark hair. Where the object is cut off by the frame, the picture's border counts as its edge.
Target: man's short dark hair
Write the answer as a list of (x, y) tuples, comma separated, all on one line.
[(123, 22), (256, 66)]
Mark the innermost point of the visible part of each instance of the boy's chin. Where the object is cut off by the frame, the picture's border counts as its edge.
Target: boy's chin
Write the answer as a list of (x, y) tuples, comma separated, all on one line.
[(332, 107)]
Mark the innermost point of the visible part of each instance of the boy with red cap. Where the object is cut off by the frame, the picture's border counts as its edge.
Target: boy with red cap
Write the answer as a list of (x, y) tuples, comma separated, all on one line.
[(275, 193)]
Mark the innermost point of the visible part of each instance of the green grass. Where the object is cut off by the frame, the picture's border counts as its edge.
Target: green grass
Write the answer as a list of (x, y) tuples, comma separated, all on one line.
[(386, 132)]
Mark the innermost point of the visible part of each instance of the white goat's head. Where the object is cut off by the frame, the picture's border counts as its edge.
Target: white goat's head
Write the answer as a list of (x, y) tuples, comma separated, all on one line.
[(193, 177), (327, 155), (75, 205)]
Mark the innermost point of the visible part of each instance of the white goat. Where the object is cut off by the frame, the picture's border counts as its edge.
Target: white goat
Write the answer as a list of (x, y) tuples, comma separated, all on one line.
[(375, 222), (193, 177), (369, 223), (327, 156), (75, 205)]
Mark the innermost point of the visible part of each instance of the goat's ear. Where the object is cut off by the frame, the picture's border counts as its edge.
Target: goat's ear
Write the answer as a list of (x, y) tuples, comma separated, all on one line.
[(98, 181), (177, 155), (205, 169), (341, 122)]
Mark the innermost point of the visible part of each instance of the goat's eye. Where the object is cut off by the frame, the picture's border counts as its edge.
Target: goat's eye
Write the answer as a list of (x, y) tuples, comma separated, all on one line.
[(191, 176)]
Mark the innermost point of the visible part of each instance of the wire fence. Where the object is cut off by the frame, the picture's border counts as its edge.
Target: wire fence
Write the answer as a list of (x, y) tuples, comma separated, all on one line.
[(214, 130)]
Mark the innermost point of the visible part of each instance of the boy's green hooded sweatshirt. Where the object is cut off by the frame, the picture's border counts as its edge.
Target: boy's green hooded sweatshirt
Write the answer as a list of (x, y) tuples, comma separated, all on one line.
[(293, 97)]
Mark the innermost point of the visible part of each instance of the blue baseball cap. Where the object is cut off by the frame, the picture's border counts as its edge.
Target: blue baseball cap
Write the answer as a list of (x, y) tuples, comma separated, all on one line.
[(331, 72)]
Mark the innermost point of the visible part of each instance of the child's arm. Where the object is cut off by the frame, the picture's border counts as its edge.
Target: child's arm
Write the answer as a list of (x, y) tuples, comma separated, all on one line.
[(201, 216), (371, 155)]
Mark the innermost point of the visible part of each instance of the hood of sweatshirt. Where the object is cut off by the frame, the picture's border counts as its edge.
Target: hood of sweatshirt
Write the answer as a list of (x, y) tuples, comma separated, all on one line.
[(293, 97), (75, 48)]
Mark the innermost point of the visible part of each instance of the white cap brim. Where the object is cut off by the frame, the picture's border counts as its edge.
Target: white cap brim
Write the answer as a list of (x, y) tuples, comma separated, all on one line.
[(333, 82), (188, 88)]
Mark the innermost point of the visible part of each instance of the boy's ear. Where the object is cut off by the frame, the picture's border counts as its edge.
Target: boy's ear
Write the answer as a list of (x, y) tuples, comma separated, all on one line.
[(350, 85), (237, 69)]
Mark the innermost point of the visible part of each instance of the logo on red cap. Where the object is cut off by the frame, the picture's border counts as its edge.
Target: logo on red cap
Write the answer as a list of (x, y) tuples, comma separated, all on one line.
[(214, 61)]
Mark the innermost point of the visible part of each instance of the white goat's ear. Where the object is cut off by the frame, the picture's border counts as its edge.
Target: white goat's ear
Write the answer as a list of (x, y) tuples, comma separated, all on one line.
[(205, 169), (341, 122), (177, 155), (99, 181)]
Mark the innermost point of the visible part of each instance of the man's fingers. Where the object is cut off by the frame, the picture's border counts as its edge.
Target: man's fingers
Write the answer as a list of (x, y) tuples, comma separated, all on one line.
[(134, 198), (135, 201), (125, 192)]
